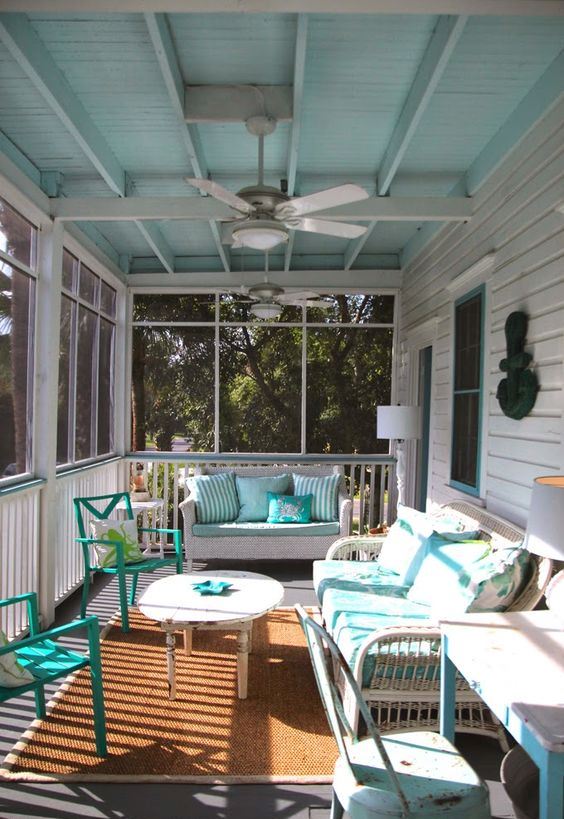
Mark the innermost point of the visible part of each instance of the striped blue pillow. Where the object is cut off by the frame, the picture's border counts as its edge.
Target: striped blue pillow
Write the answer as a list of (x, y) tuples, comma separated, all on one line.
[(215, 496), (324, 489)]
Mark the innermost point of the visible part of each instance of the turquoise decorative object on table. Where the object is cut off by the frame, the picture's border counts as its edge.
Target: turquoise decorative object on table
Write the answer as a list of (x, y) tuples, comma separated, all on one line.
[(211, 586)]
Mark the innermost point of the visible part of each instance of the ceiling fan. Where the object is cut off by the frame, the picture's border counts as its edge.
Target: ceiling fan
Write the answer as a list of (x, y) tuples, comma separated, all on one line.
[(267, 214), (267, 299)]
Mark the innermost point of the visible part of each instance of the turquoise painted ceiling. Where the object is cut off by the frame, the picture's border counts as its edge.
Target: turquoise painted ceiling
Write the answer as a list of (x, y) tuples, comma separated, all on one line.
[(358, 73)]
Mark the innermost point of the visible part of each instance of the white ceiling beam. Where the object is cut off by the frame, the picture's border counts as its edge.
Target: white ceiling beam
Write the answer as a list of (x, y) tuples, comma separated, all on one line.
[(187, 208), (431, 68), (236, 103), (534, 8), (165, 52), (327, 280), (33, 58), (297, 106), (158, 244)]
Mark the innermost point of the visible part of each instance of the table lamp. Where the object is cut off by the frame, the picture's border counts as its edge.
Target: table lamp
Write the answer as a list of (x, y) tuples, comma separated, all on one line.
[(399, 423), (545, 526)]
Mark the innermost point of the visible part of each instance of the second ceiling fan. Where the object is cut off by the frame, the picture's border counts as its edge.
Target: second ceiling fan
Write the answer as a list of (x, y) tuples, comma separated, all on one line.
[(267, 214)]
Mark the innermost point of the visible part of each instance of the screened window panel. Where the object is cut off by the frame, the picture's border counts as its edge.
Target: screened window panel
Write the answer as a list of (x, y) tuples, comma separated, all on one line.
[(17, 311), (468, 344), (89, 286), (348, 376), (465, 438), (355, 309), (70, 271), (173, 387), (260, 385), (108, 300), (18, 237), (106, 380), (66, 355), (177, 307), (86, 360)]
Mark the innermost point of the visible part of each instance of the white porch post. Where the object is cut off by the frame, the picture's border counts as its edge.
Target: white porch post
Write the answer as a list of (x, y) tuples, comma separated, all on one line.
[(46, 401)]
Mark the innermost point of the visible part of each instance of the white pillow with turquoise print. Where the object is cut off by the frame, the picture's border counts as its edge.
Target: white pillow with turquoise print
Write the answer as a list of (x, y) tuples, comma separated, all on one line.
[(493, 583), (124, 531), (12, 672)]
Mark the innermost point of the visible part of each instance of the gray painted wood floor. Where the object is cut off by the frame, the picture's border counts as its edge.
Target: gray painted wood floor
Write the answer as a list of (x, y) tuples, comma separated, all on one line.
[(169, 801)]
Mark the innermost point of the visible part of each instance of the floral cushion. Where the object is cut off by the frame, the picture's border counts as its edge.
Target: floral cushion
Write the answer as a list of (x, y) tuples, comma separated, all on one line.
[(289, 508), (493, 583), (12, 672), (125, 532)]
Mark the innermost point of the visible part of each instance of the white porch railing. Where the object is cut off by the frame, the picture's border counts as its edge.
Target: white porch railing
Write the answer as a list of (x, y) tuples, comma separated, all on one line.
[(368, 478), (95, 479), (19, 551)]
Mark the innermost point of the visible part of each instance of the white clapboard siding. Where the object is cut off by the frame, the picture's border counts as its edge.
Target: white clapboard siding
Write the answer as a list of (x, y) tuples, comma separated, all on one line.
[(516, 218)]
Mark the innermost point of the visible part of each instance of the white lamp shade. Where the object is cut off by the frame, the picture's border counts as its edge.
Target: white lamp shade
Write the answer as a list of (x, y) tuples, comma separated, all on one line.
[(545, 527), (399, 423)]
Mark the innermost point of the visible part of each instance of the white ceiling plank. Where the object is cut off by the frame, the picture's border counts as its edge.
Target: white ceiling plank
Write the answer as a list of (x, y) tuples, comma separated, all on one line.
[(294, 146), (431, 68), (157, 243), (236, 103), (163, 45), (33, 58), (223, 251), (535, 8), (404, 208)]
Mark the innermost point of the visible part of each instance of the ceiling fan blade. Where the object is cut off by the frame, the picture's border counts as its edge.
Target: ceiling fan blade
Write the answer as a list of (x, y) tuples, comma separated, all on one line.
[(320, 304), (341, 229), (297, 296), (221, 193), (329, 198)]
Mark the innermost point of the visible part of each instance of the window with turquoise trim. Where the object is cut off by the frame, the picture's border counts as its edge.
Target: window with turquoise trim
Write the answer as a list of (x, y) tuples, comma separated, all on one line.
[(467, 398)]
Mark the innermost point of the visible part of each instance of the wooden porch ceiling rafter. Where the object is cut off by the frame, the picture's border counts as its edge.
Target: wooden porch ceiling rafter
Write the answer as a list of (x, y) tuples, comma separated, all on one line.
[(33, 58), (174, 82), (441, 45)]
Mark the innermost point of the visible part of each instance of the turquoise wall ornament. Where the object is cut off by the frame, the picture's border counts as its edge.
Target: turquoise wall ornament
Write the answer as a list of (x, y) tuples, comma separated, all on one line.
[(518, 392)]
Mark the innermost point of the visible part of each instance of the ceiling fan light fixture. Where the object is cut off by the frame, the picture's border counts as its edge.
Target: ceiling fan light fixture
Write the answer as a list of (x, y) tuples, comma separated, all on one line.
[(263, 236), (266, 310)]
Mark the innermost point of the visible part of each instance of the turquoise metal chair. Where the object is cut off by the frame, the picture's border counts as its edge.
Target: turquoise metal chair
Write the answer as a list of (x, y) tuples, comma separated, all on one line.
[(101, 507), (401, 775), (48, 661)]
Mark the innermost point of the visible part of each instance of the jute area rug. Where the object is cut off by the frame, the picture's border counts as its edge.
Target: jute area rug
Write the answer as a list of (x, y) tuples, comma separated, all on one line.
[(207, 735)]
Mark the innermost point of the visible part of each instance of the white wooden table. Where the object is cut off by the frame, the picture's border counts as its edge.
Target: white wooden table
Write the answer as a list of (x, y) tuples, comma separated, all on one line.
[(173, 602), (156, 507), (515, 662)]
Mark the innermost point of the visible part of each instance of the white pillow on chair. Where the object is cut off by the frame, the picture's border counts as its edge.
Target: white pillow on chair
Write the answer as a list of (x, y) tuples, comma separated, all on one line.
[(125, 531)]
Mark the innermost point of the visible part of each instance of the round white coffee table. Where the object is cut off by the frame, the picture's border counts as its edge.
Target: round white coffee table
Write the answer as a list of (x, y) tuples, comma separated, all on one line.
[(173, 602)]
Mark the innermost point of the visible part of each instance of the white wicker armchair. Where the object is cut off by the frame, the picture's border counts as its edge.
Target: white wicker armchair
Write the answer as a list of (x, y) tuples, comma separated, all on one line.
[(404, 686)]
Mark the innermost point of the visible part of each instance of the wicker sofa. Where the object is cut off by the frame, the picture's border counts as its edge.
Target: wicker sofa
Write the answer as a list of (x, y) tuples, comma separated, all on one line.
[(263, 541), (398, 666)]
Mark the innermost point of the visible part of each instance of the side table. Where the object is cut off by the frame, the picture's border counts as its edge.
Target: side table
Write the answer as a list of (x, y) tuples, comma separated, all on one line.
[(157, 510)]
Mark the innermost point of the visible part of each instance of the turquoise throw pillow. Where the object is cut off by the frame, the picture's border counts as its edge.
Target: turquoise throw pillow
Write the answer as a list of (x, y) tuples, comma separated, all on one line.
[(215, 497), (324, 489), (493, 583), (253, 500), (289, 508)]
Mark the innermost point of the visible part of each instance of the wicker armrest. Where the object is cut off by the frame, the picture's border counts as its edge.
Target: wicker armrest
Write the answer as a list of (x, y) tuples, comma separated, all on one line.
[(407, 656), (188, 509), (356, 547)]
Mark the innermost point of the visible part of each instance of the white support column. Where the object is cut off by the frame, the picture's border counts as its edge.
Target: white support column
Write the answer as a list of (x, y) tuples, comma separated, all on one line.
[(48, 324)]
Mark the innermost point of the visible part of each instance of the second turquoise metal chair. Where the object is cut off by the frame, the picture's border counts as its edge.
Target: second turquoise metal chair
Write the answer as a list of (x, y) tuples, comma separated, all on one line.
[(100, 507), (47, 661), (411, 774)]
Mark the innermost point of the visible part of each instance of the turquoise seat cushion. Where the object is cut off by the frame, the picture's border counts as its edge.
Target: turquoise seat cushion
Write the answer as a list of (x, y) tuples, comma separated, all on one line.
[(258, 529), (215, 497), (252, 492), (372, 599), (352, 627), (353, 575)]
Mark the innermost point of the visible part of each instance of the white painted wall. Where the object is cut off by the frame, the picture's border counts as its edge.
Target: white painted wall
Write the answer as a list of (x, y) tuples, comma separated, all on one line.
[(516, 219)]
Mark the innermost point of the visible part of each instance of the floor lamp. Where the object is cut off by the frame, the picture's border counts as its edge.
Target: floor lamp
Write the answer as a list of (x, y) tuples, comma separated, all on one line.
[(399, 424)]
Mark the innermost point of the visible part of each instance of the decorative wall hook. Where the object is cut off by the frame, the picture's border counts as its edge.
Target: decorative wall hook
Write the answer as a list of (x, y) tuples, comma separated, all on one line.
[(518, 392)]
